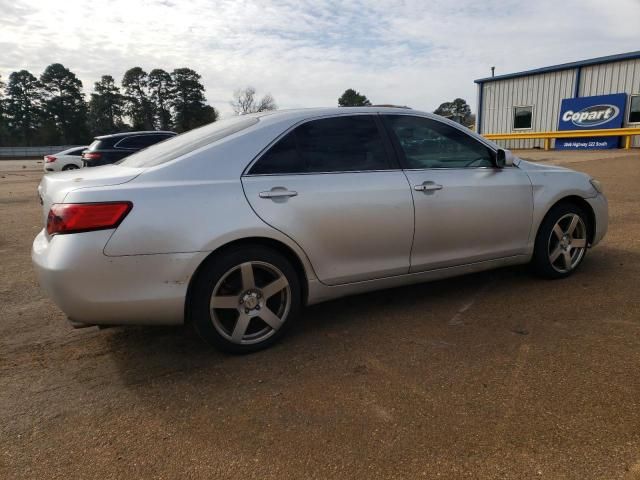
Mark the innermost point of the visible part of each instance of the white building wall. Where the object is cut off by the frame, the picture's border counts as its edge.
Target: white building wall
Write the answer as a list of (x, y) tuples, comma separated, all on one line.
[(617, 77), (545, 92)]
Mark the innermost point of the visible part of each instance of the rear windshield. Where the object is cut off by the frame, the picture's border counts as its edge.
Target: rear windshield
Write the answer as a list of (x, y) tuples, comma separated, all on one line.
[(73, 151), (187, 142)]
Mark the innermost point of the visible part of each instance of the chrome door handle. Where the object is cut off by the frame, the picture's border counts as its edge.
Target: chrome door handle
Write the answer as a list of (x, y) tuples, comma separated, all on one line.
[(277, 193), (427, 187)]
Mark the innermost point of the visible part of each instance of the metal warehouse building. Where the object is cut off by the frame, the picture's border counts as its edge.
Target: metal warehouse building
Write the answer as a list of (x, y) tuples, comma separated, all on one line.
[(531, 100)]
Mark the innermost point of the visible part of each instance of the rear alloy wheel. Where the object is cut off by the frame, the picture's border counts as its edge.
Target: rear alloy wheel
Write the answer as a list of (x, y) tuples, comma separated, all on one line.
[(244, 299), (70, 167), (562, 241)]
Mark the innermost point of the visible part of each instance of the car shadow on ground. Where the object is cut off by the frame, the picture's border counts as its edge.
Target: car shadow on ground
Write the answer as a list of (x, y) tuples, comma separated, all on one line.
[(146, 352), (149, 354)]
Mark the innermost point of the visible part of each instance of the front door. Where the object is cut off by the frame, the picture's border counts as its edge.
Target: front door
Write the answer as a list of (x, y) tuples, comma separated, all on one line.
[(331, 187), (466, 209)]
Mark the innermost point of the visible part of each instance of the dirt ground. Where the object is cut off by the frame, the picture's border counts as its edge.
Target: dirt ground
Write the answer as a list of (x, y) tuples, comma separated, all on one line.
[(494, 375)]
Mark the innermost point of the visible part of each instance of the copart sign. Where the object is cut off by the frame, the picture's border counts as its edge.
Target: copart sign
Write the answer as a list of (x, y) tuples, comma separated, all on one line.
[(588, 113)]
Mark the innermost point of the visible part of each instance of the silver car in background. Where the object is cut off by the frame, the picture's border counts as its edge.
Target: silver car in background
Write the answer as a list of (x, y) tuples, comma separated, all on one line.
[(237, 225)]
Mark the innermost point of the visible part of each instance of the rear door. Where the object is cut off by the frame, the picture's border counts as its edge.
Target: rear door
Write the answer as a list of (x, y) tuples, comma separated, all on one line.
[(331, 186), (467, 210)]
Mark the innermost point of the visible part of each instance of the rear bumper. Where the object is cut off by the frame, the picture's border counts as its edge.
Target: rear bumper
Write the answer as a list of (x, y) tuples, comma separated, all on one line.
[(59, 166), (51, 167), (92, 288), (600, 208)]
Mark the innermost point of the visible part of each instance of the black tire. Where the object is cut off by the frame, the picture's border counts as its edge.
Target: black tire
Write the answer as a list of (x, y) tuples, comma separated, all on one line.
[(541, 261), (69, 167), (223, 269)]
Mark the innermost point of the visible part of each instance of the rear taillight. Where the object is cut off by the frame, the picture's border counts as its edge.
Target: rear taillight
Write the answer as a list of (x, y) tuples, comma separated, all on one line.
[(91, 156), (85, 217), (49, 159)]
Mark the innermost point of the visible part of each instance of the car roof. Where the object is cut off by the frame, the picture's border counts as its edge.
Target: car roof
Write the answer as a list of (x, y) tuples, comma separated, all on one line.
[(130, 134), (320, 111), (300, 114)]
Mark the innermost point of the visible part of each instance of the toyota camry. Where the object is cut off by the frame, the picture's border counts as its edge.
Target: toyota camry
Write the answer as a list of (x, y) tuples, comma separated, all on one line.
[(236, 226)]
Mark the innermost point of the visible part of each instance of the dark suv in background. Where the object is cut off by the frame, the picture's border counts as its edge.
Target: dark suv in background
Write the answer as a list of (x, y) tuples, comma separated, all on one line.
[(108, 149)]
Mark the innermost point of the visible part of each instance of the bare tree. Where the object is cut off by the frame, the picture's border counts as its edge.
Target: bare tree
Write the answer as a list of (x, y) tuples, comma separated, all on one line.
[(244, 101)]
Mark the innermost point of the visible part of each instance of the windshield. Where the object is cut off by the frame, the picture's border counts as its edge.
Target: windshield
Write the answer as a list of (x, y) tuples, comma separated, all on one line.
[(187, 142)]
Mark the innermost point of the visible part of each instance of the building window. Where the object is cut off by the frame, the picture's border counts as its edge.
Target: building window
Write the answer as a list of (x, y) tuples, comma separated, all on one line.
[(634, 109), (522, 117)]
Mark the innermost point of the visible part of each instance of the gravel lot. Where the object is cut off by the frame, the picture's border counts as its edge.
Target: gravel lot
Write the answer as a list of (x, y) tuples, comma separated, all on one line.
[(494, 375)]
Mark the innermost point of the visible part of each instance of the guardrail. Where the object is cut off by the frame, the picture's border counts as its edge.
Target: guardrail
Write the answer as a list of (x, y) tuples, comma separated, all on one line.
[(548, 136), (25, 152)]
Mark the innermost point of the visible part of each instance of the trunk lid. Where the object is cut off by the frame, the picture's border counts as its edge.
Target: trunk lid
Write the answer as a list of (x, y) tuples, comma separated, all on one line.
[(54, 187)]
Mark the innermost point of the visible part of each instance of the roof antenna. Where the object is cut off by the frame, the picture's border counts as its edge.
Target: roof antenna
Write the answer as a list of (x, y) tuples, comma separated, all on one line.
[(493, 71)]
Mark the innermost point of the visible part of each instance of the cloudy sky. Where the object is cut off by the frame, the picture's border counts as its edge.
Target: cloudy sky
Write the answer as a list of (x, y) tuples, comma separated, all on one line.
[(307, 52)]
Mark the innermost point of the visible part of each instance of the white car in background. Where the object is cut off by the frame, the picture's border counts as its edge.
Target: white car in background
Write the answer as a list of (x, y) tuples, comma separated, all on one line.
[(68, 159)]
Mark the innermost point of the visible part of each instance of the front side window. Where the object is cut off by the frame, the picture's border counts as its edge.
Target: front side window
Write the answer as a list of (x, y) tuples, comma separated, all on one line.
[(427, 143), (634, 109), (339, 144), (522, 117)]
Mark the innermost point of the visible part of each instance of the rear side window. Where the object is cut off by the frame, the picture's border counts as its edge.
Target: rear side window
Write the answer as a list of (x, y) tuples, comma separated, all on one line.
[(140, 141), (339, 144), (281, 158), (95, 145)]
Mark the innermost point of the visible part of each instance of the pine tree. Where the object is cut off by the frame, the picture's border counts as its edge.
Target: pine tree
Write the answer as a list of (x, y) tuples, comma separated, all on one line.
[(351, 98), (106, 107), (22, 107), (64, 105), (138, 106), (162, 95), (188, 103)]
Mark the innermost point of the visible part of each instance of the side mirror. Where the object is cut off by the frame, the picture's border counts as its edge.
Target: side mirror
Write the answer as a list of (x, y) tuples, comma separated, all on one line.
[(504, 158)]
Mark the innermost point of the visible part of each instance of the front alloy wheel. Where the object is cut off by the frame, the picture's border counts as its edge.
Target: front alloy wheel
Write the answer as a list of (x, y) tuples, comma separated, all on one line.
[(562, 241), (567, 243)]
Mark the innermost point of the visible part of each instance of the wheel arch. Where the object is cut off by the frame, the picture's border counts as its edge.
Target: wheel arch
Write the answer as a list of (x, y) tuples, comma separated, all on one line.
[(276, 245), (580, 202)]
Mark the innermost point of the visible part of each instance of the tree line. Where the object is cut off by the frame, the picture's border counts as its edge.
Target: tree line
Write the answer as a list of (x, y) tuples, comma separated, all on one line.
[(458, 110), (53, 110)]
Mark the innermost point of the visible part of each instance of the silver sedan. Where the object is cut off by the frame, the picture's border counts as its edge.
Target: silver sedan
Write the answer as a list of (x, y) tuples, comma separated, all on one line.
[(237, 225)]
